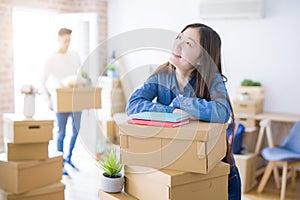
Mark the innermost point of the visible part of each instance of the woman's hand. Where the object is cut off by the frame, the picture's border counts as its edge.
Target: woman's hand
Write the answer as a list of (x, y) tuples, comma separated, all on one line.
[(179, 111)]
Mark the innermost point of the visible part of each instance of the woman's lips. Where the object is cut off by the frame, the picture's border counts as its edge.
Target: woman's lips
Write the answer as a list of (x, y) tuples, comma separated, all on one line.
[(176, 55)]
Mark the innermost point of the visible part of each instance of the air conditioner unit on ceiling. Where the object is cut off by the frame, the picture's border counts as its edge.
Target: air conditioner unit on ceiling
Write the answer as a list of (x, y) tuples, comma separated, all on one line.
[(222, 9)]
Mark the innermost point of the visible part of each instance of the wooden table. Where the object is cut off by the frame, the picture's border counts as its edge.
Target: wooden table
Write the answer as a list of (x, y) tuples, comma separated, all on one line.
[(265, 124), (278, 117)]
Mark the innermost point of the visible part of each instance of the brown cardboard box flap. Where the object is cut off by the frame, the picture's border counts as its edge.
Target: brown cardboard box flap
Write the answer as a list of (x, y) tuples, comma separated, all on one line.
[(56, 187), (31, 123), (195, 130), (115, 196), (173, 177), (53, 157), (79, 90)]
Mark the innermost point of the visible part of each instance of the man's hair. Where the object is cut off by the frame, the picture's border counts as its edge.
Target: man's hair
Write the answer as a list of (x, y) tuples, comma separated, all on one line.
[(64, 31)]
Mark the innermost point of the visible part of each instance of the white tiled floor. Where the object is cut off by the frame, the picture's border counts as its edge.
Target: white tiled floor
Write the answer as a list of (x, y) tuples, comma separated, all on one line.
[(85, 183)]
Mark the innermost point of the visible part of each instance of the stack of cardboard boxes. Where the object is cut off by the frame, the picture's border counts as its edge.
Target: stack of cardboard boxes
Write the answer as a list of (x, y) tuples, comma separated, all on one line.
[(27, 170), (113, 101), (245, 111), (173, 163)]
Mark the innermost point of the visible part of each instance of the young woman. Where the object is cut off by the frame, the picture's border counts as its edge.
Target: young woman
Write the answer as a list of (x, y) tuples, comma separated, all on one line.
[(191, 82)]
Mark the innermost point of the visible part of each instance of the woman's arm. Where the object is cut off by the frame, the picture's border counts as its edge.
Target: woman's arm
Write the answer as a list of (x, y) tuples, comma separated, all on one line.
[(141, 99), (216, 110)]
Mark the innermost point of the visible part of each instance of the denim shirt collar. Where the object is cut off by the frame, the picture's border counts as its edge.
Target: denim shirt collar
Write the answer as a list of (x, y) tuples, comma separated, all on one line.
[(188, 88)]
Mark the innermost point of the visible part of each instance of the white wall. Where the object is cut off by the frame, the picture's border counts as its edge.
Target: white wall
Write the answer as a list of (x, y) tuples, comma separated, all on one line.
[(265, 50)]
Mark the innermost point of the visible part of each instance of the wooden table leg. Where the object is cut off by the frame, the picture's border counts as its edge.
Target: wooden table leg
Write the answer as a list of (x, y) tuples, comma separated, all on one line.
[(269, 134), (263, 125), (266, 176)]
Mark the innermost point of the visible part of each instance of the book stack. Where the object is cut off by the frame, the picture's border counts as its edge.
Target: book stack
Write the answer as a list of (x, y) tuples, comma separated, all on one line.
[(181, 162), (27, 170), (168, 120)]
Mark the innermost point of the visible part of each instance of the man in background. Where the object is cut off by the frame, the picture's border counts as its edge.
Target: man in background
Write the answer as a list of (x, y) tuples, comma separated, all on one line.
[(60, 66)]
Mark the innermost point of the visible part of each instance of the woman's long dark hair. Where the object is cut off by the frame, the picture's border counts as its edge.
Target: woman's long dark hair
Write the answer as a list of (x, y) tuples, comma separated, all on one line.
[(210, 64)]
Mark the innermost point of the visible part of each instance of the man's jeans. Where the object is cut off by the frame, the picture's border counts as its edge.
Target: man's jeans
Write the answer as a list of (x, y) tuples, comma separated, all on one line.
[(62, 119)]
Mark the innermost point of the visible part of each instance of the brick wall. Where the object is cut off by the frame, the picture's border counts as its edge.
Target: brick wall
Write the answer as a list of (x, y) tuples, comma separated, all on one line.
[(6, 39)]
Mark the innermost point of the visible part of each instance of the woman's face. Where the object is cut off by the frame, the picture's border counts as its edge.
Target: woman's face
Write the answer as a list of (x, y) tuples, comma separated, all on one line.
[(186, 51)]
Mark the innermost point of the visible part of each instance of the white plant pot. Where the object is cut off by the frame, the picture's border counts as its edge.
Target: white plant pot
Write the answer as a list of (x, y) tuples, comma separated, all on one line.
[(29, 105), (111, 73), (244, 97), (112, 185)]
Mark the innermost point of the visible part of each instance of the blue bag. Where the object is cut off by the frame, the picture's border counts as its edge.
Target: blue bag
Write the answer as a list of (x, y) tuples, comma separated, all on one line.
[(237, 145)]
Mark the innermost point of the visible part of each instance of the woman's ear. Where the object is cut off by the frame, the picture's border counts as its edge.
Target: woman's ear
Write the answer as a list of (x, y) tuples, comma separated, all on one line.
[(199, 60)]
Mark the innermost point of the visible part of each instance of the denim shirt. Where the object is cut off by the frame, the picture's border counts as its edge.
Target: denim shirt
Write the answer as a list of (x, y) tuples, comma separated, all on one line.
[(163, 86)]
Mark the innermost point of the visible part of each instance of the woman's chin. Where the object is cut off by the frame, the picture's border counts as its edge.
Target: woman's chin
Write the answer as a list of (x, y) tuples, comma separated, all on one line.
[(173, 61)]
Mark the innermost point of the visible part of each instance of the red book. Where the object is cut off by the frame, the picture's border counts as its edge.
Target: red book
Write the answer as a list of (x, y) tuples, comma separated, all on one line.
[(158, 123)]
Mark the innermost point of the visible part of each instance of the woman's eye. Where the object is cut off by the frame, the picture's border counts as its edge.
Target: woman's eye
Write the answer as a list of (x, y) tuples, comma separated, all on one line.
[(179, 37), (189, 44)]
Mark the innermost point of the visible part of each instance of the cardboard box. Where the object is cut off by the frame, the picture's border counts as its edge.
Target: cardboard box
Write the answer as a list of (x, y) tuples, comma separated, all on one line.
[(111, 97), (247, 165), (106, 82), (248, 121), (1, 143), (19, 130), (76, 99), (195, 147), (254, 92), (113, 101), (50, 192), (250, 136), (149, 184), (116, 108), (251, 107), (23, 176), (29, 151), (109, 129), (115, 196)]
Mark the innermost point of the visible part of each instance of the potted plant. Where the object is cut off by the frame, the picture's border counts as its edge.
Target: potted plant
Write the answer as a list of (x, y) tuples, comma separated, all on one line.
[(112, 179), (86, 76), (251, 90), (111, 71), (249, 82), (244, 96)]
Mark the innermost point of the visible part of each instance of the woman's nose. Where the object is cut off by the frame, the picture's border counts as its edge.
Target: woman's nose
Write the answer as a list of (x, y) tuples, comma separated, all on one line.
[(178, 45)]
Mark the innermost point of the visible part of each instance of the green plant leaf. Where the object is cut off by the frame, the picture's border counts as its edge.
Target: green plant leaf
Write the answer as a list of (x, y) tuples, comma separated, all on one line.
[(111, 67), (110, 164), (249, 82)]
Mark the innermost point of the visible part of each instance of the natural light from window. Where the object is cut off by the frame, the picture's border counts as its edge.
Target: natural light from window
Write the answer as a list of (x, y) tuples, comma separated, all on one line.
[(35, 38)]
